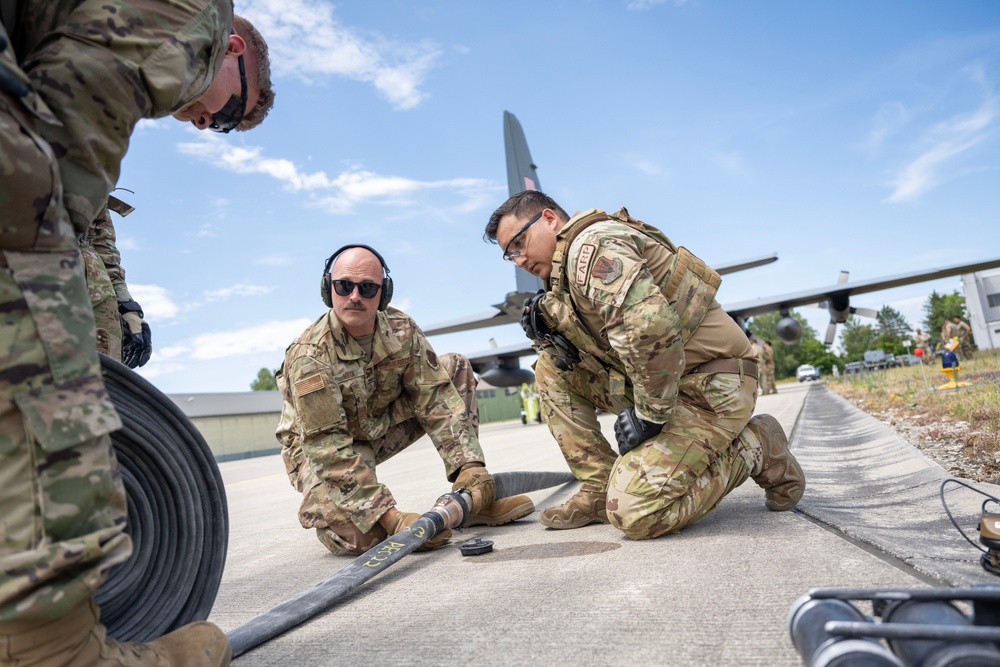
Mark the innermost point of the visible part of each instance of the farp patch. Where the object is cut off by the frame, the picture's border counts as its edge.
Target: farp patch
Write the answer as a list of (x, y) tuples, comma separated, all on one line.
[(607, 270), (583, 262)]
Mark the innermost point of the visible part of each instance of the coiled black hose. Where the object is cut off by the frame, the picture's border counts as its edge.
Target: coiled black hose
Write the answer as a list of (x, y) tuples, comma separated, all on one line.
[(177, 514)]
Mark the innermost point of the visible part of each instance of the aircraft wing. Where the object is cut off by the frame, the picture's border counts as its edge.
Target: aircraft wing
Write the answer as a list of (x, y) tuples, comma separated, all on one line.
[(837, 298), (809, 297), (733, 267)]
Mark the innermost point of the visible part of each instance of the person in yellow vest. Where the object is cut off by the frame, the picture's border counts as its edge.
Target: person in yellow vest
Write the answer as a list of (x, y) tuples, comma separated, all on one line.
[(628, 323)]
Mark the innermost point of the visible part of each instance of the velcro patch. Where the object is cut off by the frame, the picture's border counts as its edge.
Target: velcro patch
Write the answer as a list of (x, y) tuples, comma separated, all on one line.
[(308, 385), (607, 270), (583, 262), (432, 359)]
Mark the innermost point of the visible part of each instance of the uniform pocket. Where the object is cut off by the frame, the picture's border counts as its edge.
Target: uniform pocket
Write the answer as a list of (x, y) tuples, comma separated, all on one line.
[(317, 401), (59, 417)]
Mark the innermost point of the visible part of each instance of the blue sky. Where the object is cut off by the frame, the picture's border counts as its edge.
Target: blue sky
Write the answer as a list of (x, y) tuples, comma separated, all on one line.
[(858, 136)]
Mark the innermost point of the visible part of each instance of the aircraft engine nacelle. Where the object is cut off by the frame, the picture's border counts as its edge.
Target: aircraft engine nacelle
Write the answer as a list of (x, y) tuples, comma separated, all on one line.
[(788, 330), (505, 376)]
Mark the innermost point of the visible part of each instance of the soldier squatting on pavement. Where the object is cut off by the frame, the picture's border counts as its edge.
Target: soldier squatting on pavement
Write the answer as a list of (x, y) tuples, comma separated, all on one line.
[(75, 78), (360, 385), (629, 323)]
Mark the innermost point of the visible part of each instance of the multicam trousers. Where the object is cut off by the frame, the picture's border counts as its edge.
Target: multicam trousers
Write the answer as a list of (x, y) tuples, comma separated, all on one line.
[(341, 535), (672, 480)]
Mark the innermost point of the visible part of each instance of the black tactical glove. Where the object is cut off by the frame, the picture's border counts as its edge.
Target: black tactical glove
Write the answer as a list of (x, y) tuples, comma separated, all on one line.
[(531, 320), (553, 342), (137, 339), (631, 430)]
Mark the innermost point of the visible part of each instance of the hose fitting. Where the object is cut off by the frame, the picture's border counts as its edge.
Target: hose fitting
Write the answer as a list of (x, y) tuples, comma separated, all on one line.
[(453, 508)]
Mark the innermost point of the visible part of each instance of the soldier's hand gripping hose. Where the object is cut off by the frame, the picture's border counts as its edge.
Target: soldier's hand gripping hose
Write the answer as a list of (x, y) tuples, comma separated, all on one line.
[(478, 482), (631, 430)]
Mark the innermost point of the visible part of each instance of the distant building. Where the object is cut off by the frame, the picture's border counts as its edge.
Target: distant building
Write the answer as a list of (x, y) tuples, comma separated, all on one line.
[(237, 425), (982, 300), (241, 425)]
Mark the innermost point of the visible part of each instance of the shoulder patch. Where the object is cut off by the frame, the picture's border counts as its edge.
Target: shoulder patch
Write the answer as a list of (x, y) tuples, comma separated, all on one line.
[(583, 262), (432, 359), (607, 270), (308, 385)]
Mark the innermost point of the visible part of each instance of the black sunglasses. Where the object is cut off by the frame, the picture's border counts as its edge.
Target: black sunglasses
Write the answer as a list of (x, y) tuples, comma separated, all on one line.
[(367, 290), (229, 116)]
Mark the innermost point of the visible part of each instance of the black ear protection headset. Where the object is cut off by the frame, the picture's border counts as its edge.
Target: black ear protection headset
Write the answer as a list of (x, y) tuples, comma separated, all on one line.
[(326, 284)]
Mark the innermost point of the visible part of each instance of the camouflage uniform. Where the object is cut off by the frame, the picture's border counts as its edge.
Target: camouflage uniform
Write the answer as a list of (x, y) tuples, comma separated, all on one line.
[(769, 382), (643, 317), (923, 341), (345, 412), (961, 331), (758, 352), (87, 71), (105, 282)]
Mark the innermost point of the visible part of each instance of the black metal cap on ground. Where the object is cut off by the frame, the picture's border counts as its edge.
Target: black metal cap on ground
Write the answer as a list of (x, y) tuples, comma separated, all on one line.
[(476, 547)]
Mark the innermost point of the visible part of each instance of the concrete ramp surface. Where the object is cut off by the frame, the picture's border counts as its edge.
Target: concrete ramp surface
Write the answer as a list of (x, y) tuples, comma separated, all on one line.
[(717, 593)]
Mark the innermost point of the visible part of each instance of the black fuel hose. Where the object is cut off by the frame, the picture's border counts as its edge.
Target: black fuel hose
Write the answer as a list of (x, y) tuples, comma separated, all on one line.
[(331, 590), (450, 511), (177, 514)]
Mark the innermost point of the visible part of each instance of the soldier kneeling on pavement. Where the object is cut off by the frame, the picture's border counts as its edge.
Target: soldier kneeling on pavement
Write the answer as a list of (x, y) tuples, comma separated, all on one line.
[(628, 323), (360, 385)]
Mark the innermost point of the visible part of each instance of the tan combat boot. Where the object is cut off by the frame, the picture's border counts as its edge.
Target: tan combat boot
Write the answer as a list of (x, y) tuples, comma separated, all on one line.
[(583, 509), (501, 511), (780, 475), (79, 640)]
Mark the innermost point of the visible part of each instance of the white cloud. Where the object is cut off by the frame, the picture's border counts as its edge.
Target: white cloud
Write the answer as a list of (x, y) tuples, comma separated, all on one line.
[(307, 41), (235, 290), (349, 188), (155, 301), (888, 119), (946, 141), (266, 337)]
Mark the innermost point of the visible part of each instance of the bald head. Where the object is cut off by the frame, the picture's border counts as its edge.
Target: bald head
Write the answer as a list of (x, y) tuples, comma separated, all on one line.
[(356, 313)]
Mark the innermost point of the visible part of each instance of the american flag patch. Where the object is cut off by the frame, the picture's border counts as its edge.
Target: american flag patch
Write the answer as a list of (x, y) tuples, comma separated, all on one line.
[(308, 385)]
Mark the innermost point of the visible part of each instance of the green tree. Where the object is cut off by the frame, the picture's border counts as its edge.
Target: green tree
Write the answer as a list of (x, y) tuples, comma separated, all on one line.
[(786, 357), (265, 381), (893, 329), (817, 354), (856, 339), (941, 307)]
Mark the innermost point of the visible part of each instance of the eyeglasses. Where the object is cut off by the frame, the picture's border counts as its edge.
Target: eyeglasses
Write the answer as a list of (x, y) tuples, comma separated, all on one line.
[(511, 255), (229, 116), (367, 290)]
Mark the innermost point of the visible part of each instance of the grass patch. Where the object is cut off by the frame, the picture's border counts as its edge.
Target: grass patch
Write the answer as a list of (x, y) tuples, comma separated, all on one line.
[(908, 393)]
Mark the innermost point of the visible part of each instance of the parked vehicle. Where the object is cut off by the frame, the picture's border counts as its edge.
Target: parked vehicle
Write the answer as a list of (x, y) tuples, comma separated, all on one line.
[(807, 372), (877, 360), (855, 367), (908, 359)]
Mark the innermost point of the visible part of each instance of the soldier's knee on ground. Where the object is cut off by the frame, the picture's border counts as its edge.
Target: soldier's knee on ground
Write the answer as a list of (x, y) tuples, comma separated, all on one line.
[(642, 518), (348, 540)]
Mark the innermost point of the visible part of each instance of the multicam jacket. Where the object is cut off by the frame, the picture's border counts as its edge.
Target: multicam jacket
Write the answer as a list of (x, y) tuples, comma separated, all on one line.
[(334, 396), (599, 266)]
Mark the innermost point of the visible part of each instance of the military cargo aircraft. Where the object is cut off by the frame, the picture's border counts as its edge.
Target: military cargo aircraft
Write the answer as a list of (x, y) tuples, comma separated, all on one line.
[(500, 366)]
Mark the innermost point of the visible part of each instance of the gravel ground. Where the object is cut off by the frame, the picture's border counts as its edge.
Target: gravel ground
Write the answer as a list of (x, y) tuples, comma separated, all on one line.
[(950, 443)]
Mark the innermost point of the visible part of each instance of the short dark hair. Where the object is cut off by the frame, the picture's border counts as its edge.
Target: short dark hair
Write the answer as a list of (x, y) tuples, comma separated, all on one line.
[(522, 205), (259, 72)]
